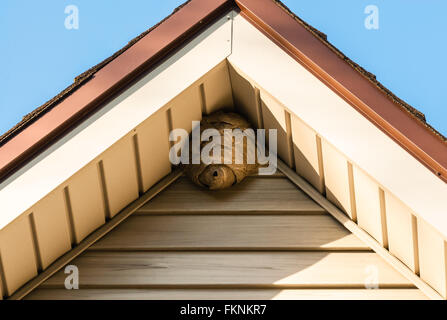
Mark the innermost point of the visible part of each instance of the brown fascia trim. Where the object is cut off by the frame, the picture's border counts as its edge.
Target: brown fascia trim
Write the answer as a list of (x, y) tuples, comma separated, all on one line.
[(78, 82), (108, 80), (319, 58)]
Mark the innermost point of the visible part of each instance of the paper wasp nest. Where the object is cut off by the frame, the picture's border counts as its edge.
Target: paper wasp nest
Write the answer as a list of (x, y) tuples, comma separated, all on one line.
[(225, 173)]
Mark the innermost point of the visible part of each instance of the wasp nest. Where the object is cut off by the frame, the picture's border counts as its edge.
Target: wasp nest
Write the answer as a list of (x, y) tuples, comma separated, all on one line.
[(220, 174)]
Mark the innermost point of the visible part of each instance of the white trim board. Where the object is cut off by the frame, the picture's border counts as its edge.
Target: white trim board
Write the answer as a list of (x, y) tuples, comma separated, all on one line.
[(337, 122), (116, 119)]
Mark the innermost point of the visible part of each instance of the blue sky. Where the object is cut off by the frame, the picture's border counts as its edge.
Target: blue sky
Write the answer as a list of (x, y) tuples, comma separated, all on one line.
[(39, 57)]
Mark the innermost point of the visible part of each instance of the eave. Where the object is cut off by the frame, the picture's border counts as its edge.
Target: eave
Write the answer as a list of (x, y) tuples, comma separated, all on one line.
[(388, 114), (157, 69), (101, 85), (403, 126)]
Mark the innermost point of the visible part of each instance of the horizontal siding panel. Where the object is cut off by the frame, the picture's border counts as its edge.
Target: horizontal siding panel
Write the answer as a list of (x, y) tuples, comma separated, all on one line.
[(244, 269), (230, 232), (227, 294), (52, 227), (276, 254), (17, 253), (254, 194)]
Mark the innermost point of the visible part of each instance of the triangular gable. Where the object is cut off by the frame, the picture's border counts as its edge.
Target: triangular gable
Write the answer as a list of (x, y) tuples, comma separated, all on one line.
[(120, 134)]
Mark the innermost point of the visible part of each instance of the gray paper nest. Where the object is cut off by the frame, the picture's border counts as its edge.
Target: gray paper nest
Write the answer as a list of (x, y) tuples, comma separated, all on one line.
[(220, 176)]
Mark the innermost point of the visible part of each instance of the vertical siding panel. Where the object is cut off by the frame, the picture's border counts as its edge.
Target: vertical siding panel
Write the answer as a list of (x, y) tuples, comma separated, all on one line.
[(306, 153), (86, 202), (186, 108), (432, 259), (217, 89), (290, 148), (51, 227), (244, 96), (401, 236), (17, 252), (1, 288), (367, 199), (202, 99), (414, 229), (336, 179), (153, 147), (120, 175), (2, 280), (274, 117)]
